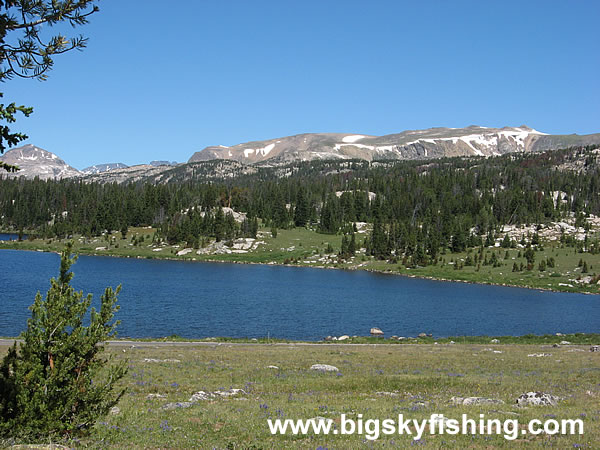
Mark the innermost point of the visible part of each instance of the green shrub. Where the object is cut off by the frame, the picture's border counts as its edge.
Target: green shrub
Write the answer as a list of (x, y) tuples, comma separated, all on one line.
[(57, 381)]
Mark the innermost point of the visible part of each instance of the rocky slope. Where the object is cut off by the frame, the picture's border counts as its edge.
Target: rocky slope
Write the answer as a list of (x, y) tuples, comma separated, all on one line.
[(100, 168), (37, 162), (414, 144)]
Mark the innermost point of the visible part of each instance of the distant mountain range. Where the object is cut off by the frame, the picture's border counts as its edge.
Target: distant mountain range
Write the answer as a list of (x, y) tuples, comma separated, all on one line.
[(100, 168), (37, 162), (408, 145), (416, 144)]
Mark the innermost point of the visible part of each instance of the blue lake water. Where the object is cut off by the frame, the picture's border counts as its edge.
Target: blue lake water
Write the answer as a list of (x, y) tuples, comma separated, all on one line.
[(195, 300), (10, 236)]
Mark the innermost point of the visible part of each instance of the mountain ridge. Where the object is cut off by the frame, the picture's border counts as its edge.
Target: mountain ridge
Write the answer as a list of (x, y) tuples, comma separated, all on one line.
[(425, 144), (410, 144)]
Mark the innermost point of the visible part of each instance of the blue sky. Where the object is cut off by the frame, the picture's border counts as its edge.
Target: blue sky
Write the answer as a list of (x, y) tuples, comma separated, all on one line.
[(161, 82)]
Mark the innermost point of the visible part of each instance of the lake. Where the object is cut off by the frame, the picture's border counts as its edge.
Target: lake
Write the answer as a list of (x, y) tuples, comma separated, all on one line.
[(10, 236), (195, 300)]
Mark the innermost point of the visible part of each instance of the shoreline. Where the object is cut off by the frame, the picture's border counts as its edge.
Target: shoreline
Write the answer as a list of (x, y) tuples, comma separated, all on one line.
[(575, 339), (353, 269)]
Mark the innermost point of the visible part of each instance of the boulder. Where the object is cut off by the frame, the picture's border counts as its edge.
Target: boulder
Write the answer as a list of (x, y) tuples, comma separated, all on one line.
[(344, 337), (376, 332), (153, 396), (564, 342), (422, 335), (203, 396), (595, 348), (468, 401), (537, 399), (178, 405), (494, 341), (324, 368)]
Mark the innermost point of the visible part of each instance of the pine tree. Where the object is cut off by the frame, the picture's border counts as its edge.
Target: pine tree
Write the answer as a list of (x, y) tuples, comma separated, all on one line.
[(57, 381)]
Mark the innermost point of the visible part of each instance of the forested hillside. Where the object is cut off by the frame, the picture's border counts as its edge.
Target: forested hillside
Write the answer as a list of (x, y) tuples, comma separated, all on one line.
[(417, 209)]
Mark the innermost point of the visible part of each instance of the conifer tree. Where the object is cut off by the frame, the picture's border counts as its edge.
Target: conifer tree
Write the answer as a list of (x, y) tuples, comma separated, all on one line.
[(57, 380)]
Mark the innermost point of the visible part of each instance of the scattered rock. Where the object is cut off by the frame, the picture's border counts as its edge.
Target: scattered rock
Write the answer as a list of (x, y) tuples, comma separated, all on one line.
[(114, 410), (272, 367), (468, 401), (177, 405), (559, 334), (555, 345), (539, 355), (595, 348), (201, 395), (497, 351), (324, 368), (152, 360), (494, 341), (153, 396), (387, 394), (537, 399), (565, 343), (376, 332)]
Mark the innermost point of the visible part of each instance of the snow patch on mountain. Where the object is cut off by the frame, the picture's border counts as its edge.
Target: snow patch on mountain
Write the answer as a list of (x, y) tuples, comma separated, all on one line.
[(353, 138)]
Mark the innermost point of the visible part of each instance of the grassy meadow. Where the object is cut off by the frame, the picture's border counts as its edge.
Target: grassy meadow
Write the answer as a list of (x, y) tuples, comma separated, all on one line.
[(377, 381)]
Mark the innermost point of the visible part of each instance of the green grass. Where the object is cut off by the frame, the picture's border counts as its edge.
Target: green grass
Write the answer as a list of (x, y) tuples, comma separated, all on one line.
[(419, 380), (306, 248)]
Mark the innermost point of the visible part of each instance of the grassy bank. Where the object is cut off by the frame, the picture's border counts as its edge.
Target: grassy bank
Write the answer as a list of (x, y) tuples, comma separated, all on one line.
[(377, 381), (306, 248)]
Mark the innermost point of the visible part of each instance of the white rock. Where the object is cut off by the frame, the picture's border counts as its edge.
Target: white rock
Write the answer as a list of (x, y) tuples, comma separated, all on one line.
[(537, 399), (151, 396), (475, 401), (376, 332), (324, 368)]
